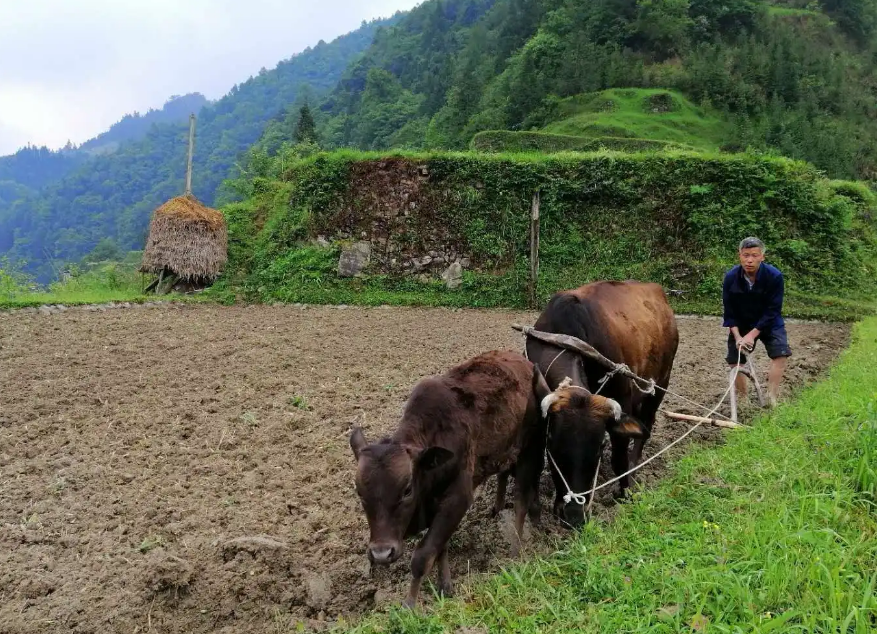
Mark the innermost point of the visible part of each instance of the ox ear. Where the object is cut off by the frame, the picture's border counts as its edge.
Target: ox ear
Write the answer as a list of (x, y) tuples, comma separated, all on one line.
[(433, 458), (357, 441), (540, 386), (627, 426)]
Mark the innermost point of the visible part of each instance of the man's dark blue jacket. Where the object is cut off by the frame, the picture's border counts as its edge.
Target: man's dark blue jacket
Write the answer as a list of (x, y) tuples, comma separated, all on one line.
[(759, 307)]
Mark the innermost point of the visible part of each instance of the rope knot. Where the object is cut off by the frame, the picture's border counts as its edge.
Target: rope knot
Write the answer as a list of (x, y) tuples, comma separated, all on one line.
[(638, 381), (579, 498)]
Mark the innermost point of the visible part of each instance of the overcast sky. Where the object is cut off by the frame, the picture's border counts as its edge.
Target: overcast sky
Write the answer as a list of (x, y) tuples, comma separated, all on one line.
[(71, 68)]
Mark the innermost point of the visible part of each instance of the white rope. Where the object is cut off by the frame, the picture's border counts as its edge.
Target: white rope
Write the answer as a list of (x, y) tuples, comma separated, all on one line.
[(694, 403), (608, 376), (559, 354), (636, 380), (596, 475), (582, 498)]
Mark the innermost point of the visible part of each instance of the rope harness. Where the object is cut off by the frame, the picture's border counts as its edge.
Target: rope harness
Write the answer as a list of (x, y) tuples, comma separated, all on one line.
[(650, 386)]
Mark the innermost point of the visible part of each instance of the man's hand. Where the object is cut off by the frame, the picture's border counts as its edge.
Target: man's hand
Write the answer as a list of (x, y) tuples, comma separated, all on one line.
[(747, 343)]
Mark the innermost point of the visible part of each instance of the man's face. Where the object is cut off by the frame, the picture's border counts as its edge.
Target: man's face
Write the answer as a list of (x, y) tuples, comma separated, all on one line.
[(751, 259)]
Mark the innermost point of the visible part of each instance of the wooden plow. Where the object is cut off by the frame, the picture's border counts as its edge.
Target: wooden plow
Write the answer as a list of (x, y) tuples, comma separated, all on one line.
[(748, 370)]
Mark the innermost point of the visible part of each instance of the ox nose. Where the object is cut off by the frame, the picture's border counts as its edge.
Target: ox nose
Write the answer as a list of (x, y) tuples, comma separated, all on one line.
[(574, 515), (383, 553)]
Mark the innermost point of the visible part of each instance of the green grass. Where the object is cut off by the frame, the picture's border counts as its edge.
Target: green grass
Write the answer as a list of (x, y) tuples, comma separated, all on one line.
[(505, 141), (74, 298), (628, 112), (308, 275), (791, 11), (488, 292), (775, 531), (104, 283)]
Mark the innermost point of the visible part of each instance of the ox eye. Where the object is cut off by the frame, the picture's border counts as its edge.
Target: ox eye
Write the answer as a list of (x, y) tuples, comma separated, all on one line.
[(408, 490)]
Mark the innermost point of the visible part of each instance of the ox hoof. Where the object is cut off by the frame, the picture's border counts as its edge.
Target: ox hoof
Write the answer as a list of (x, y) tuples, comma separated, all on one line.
[(446, 590), (409, 603), (622, 496)]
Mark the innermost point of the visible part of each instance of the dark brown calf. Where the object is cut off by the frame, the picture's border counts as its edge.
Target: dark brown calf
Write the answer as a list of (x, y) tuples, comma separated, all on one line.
[(479, 419)]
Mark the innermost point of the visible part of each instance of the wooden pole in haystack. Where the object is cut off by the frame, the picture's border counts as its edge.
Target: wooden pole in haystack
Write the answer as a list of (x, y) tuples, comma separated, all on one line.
[(187, 241), (191, 152), (163, 289)]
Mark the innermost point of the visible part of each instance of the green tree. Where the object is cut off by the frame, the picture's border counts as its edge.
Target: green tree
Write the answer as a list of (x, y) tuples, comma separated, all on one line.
[(856, 17), (662, 27), (106, 250), (306, 128)]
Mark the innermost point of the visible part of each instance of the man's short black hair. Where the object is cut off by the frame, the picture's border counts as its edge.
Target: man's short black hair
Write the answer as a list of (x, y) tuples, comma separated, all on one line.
[(752, 243)]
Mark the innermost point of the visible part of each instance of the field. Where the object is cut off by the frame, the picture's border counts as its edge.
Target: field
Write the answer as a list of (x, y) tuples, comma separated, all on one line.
[(659, 115), (186, 468)]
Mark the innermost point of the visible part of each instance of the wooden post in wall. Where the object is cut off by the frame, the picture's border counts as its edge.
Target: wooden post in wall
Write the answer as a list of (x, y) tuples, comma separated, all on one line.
[(534, 249)]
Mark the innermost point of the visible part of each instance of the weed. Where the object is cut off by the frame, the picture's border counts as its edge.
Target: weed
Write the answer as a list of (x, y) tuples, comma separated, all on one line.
[(299, 402), (57, 487), (150, 543)]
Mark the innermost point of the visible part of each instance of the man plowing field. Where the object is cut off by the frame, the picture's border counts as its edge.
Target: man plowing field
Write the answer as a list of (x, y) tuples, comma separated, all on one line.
[(752, 294)]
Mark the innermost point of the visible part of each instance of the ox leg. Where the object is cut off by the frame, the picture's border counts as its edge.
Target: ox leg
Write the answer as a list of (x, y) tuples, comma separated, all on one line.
[(620, 464), (450, 514), (526, 500), (527, 474), (647, 414), (530, 466), (446, 586), (559, 492), (502, 481)]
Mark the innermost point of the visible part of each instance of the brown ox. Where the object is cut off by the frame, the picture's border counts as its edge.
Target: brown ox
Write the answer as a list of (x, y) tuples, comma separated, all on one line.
[(628, 322), (479, 419)]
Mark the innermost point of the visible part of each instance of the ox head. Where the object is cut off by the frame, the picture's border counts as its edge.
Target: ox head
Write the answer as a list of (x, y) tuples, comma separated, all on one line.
[(392, 482), (578, 422)]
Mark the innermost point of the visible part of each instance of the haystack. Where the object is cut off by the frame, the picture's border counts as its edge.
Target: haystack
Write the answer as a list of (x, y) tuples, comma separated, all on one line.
[(187, 240)]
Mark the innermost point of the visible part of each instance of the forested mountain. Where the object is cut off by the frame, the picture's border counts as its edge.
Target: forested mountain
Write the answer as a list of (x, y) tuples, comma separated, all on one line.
[(36, 167), (113, 195), (797, 76), (790, 76), (388, 98), (135, 126)]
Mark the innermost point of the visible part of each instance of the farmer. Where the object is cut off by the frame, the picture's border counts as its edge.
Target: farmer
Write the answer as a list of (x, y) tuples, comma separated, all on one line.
[(753, 297)]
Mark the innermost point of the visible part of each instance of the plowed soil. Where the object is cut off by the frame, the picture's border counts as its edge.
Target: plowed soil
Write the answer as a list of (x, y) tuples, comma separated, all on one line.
[(187, 469)]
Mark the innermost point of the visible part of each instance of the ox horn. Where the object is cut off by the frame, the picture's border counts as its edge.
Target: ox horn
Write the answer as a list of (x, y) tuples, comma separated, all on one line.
[(547, 402), (552, 398), (616, 408)]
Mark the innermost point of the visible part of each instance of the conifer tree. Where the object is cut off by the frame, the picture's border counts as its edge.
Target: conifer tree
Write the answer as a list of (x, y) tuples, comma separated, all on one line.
[(306, 129)]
